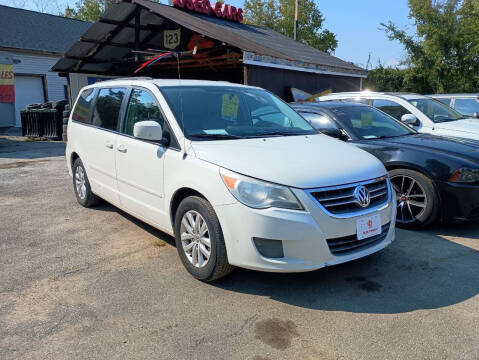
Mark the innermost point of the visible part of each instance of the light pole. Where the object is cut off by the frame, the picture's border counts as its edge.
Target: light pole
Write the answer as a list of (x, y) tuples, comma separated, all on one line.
[(295, 34)]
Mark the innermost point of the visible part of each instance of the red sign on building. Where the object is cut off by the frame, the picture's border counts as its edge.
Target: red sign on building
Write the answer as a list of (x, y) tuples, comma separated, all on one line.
[(224, 11), (7, 87)]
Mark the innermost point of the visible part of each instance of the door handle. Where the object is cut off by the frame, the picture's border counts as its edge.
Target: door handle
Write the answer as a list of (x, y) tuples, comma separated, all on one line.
[(109, 145), (122, 148)]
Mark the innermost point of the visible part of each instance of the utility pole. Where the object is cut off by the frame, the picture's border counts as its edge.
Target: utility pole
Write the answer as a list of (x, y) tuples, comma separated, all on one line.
[(295, 34)]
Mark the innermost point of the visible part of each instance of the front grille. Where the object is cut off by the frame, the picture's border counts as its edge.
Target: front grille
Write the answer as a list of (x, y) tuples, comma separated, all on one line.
[(340, 200), (349, 244)]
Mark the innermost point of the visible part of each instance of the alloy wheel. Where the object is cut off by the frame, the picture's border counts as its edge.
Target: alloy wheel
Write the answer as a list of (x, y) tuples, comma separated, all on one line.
[(80, 183), (195, 238), (411, 198)]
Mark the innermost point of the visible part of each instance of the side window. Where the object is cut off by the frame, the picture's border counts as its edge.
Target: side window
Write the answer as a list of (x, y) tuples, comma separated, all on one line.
[(107, 108), (319, 121), (82, 109), (467, 106), (141, 107), (445, 101), (391, 108)]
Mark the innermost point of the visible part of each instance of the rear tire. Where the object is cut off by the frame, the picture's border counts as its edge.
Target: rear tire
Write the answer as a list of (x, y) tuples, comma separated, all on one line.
[(81, 186), (199, 240), (416, 198)]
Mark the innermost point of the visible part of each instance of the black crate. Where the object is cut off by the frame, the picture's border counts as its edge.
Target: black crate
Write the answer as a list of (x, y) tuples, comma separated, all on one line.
[(42, 123)]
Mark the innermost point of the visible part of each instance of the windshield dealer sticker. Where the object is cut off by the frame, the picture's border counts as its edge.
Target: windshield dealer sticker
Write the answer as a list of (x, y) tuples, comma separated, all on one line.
[(366, 119), (229, 110)]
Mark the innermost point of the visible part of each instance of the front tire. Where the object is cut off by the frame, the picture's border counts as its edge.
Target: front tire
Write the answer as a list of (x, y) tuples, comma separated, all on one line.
[(81, 186), (416, 198), (199, 240)]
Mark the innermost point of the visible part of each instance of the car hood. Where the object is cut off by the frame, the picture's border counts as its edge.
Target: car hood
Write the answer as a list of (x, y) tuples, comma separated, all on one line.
[(449, 146), (297, 161), (460, 126)]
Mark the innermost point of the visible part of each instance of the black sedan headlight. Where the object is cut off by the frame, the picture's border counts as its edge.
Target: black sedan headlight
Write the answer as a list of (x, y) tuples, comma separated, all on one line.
[(465, 175)]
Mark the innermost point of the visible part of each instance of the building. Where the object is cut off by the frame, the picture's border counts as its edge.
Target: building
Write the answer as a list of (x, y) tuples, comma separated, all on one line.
[(30, 44), (200, 40)]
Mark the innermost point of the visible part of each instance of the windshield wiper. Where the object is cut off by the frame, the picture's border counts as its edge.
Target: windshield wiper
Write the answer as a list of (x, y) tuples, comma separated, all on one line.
[(279, 133), (215, 136)]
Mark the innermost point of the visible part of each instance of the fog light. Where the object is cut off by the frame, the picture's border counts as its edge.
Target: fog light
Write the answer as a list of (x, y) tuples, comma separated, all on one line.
[(269, 248)]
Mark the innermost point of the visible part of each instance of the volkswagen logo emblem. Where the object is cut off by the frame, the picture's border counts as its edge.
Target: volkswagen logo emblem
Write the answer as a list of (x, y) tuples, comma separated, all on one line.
[(361, 194)]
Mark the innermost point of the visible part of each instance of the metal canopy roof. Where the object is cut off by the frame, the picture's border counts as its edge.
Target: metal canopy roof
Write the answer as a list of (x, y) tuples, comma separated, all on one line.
[(112, 39)]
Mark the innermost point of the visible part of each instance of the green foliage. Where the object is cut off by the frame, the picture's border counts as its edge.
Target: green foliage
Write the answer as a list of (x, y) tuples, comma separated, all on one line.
[(279, 16), (443, 54), (396, 79), (86, 10)]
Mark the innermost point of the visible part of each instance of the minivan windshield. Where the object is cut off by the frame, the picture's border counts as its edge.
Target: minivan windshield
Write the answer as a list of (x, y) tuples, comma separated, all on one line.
[(436, 110), (368, 123), (230, 112)]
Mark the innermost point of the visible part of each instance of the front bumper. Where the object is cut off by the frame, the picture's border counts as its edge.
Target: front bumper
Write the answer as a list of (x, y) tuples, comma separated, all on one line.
[(303, 234), (460, 202)]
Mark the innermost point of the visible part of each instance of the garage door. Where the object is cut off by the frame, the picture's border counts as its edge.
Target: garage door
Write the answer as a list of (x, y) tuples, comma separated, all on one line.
[(28, 90)]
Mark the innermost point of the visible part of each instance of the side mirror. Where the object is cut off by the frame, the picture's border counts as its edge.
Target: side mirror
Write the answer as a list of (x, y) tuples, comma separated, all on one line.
[(335, 133), (148, 130), (475, 115), (410, 119)]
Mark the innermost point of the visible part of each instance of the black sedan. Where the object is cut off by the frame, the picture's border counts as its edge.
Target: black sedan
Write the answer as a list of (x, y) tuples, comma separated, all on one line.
[(434, 177)]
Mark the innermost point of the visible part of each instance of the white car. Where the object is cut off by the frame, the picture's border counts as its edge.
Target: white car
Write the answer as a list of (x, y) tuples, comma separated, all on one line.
[(423, 113), (232, 172)]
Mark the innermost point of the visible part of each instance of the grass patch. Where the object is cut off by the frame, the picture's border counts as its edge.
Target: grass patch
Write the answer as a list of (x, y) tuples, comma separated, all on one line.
[(159, 243)]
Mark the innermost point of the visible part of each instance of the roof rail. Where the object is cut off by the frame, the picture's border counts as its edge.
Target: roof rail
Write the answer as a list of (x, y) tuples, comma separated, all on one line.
[(133, 78)]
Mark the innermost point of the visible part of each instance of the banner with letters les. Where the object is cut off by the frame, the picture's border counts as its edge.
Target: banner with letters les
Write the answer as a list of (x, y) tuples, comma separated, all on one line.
[(7, 85)]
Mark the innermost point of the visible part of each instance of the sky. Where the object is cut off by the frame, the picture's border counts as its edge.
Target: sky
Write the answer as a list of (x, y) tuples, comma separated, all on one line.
[(355, 22)]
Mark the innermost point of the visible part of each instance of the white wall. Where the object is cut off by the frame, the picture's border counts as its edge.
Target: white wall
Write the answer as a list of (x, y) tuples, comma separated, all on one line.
[(41, 64), (30, 63)]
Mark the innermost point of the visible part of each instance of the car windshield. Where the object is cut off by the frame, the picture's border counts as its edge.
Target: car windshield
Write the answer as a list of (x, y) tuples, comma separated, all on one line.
[(435, 110), (368, 123), (231, 112)]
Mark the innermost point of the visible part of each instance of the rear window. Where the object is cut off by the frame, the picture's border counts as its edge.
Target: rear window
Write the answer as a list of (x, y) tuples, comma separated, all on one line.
[(107, 108), (82, 109)]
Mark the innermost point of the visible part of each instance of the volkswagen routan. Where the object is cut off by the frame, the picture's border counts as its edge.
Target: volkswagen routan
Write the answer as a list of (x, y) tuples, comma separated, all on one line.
[(231, 171)]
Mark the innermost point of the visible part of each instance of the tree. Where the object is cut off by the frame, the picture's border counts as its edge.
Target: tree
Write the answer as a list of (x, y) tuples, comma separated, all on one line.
[(443, 53), (279, 16), (397, 79), (86, 10)]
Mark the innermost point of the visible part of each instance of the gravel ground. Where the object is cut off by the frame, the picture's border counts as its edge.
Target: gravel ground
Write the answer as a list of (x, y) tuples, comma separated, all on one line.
[(80, 283)]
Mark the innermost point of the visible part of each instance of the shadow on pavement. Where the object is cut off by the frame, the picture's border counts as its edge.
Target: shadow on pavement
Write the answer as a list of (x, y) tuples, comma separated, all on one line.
[(467, 230), (20, 148), (418, 271)]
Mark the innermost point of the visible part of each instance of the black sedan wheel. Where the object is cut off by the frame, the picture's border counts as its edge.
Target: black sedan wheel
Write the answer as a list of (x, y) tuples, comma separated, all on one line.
[(416, 197)]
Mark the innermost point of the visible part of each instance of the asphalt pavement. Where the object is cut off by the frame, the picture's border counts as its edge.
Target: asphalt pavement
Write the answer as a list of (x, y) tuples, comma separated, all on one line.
[(96, 283)]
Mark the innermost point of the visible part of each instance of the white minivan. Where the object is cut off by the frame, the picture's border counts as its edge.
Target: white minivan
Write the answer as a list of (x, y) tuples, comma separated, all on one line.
[(231, 171)]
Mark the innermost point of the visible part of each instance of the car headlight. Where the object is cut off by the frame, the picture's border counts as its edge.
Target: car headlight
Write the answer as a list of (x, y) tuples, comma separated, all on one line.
[(465, 175), (259, 194)]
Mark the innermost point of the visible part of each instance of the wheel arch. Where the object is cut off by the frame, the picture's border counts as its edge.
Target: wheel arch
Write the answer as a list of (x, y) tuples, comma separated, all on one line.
[(178, 197), (422, 171), (73, 157)]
